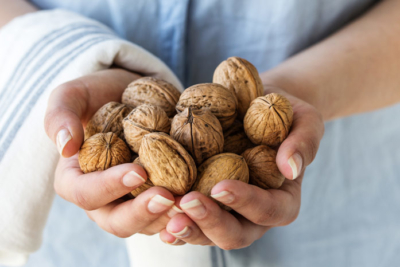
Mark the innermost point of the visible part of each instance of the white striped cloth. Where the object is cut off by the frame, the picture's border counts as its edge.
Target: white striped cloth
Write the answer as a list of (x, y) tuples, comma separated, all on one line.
[(38, 52)]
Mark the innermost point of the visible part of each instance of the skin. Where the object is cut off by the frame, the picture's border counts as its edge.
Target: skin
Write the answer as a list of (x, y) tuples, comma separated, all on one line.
[(334, 78)]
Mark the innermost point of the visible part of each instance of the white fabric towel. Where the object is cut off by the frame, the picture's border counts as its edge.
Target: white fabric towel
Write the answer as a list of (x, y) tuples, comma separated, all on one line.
[(38, 52)]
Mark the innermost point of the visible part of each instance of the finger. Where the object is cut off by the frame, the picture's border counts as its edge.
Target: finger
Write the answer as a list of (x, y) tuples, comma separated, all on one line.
[(74, 102), (96, 189), (183, 228), (299, 149), (162, 222), (220, 226), (170, 239), (130, 217), (272, 207)]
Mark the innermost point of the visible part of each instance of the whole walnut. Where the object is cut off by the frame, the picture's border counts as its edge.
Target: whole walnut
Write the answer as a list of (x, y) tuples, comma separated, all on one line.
[(241, 77), (152, 91), (108, 119), (102, 151), (167, 163), (235, 139), (225, 166), (263, 170), (199, 132), (148, 184), (268, 120), (219, 100), (142, 120)]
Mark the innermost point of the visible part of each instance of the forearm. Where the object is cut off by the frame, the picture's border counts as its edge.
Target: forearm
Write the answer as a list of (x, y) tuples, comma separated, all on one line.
[(355, 70), (13, 8)]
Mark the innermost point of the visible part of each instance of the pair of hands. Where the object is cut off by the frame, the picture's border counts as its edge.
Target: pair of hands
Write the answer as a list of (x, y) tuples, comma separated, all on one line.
[(193, 218)]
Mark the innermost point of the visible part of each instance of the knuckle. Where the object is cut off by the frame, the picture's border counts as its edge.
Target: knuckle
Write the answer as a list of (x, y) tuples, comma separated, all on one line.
[(81, 200), (114, 230), (310, 145), (268, 216), (108, 188), (147, 232), (233, 244)]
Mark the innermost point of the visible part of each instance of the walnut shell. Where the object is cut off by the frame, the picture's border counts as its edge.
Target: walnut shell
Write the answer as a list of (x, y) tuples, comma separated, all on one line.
[(218, 168), (152, 91), (148, 184), (235, 139), (143, 120), (167, 163), (219, 100), (263, 170), (108, 119), (268, 120), (241, 77), (102, 151), (199, 132)]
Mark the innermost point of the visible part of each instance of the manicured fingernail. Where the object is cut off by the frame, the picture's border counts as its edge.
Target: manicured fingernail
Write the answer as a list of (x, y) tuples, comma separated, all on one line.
[(159, 203), (195, 208), (295, 162), (132, 179), (182, 234), (173, 211), (173, 243), (63, 138), (224, 197)]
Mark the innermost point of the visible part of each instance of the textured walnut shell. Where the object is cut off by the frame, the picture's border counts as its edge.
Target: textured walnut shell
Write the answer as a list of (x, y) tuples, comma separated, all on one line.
[(268, 120), (263, 170), (219, 100), (199, 132), (143, 120), (241, 77), (108, 119), (102, 151), (152, 91), (235, 139), (225, 166), (148, 184), (167, 163)]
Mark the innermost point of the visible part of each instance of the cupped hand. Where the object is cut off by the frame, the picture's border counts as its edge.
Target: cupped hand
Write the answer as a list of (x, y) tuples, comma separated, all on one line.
[(70, 107), (255, 210)]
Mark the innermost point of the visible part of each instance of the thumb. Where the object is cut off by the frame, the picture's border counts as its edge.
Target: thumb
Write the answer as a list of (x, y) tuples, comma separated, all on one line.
[(300, 147), (73, 103), (63, 118)]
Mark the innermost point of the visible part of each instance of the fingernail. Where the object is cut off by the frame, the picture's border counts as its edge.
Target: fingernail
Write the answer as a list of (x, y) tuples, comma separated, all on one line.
[(132, 179), (63, 138), (295, 162), (173, 243), (224, 197), (159, 203), (182, 234), (194, 208), (173, 211)]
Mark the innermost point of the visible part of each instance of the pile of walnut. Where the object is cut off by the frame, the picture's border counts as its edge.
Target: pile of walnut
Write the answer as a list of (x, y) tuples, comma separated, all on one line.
[(223, 130)]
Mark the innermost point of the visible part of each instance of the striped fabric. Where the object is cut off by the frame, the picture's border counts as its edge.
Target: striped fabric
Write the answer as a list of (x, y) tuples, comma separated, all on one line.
[(38, 52)]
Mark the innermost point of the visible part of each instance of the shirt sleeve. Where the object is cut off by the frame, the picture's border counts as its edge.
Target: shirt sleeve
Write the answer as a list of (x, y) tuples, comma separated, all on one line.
[(38, 52)]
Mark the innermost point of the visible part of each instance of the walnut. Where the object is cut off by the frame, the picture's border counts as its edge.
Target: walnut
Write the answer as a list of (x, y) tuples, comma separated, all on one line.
[(235, 139), (220, 167), (143, 120), (268, 120), (241, 77), (148, 184), (200, 133), (219, 100), (263, 170), (102, 151), (152, 91), (108, 119), (167, 163)]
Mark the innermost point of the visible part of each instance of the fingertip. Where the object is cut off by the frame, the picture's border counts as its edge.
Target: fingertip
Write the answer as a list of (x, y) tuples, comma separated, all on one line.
[(140, 171)]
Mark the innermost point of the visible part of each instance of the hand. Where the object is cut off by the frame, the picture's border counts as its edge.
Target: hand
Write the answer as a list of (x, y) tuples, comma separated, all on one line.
[(256, 210), (70, 106)]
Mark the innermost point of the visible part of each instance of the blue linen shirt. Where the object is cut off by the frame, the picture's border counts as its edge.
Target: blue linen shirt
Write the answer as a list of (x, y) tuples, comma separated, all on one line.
[(349, 215)]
